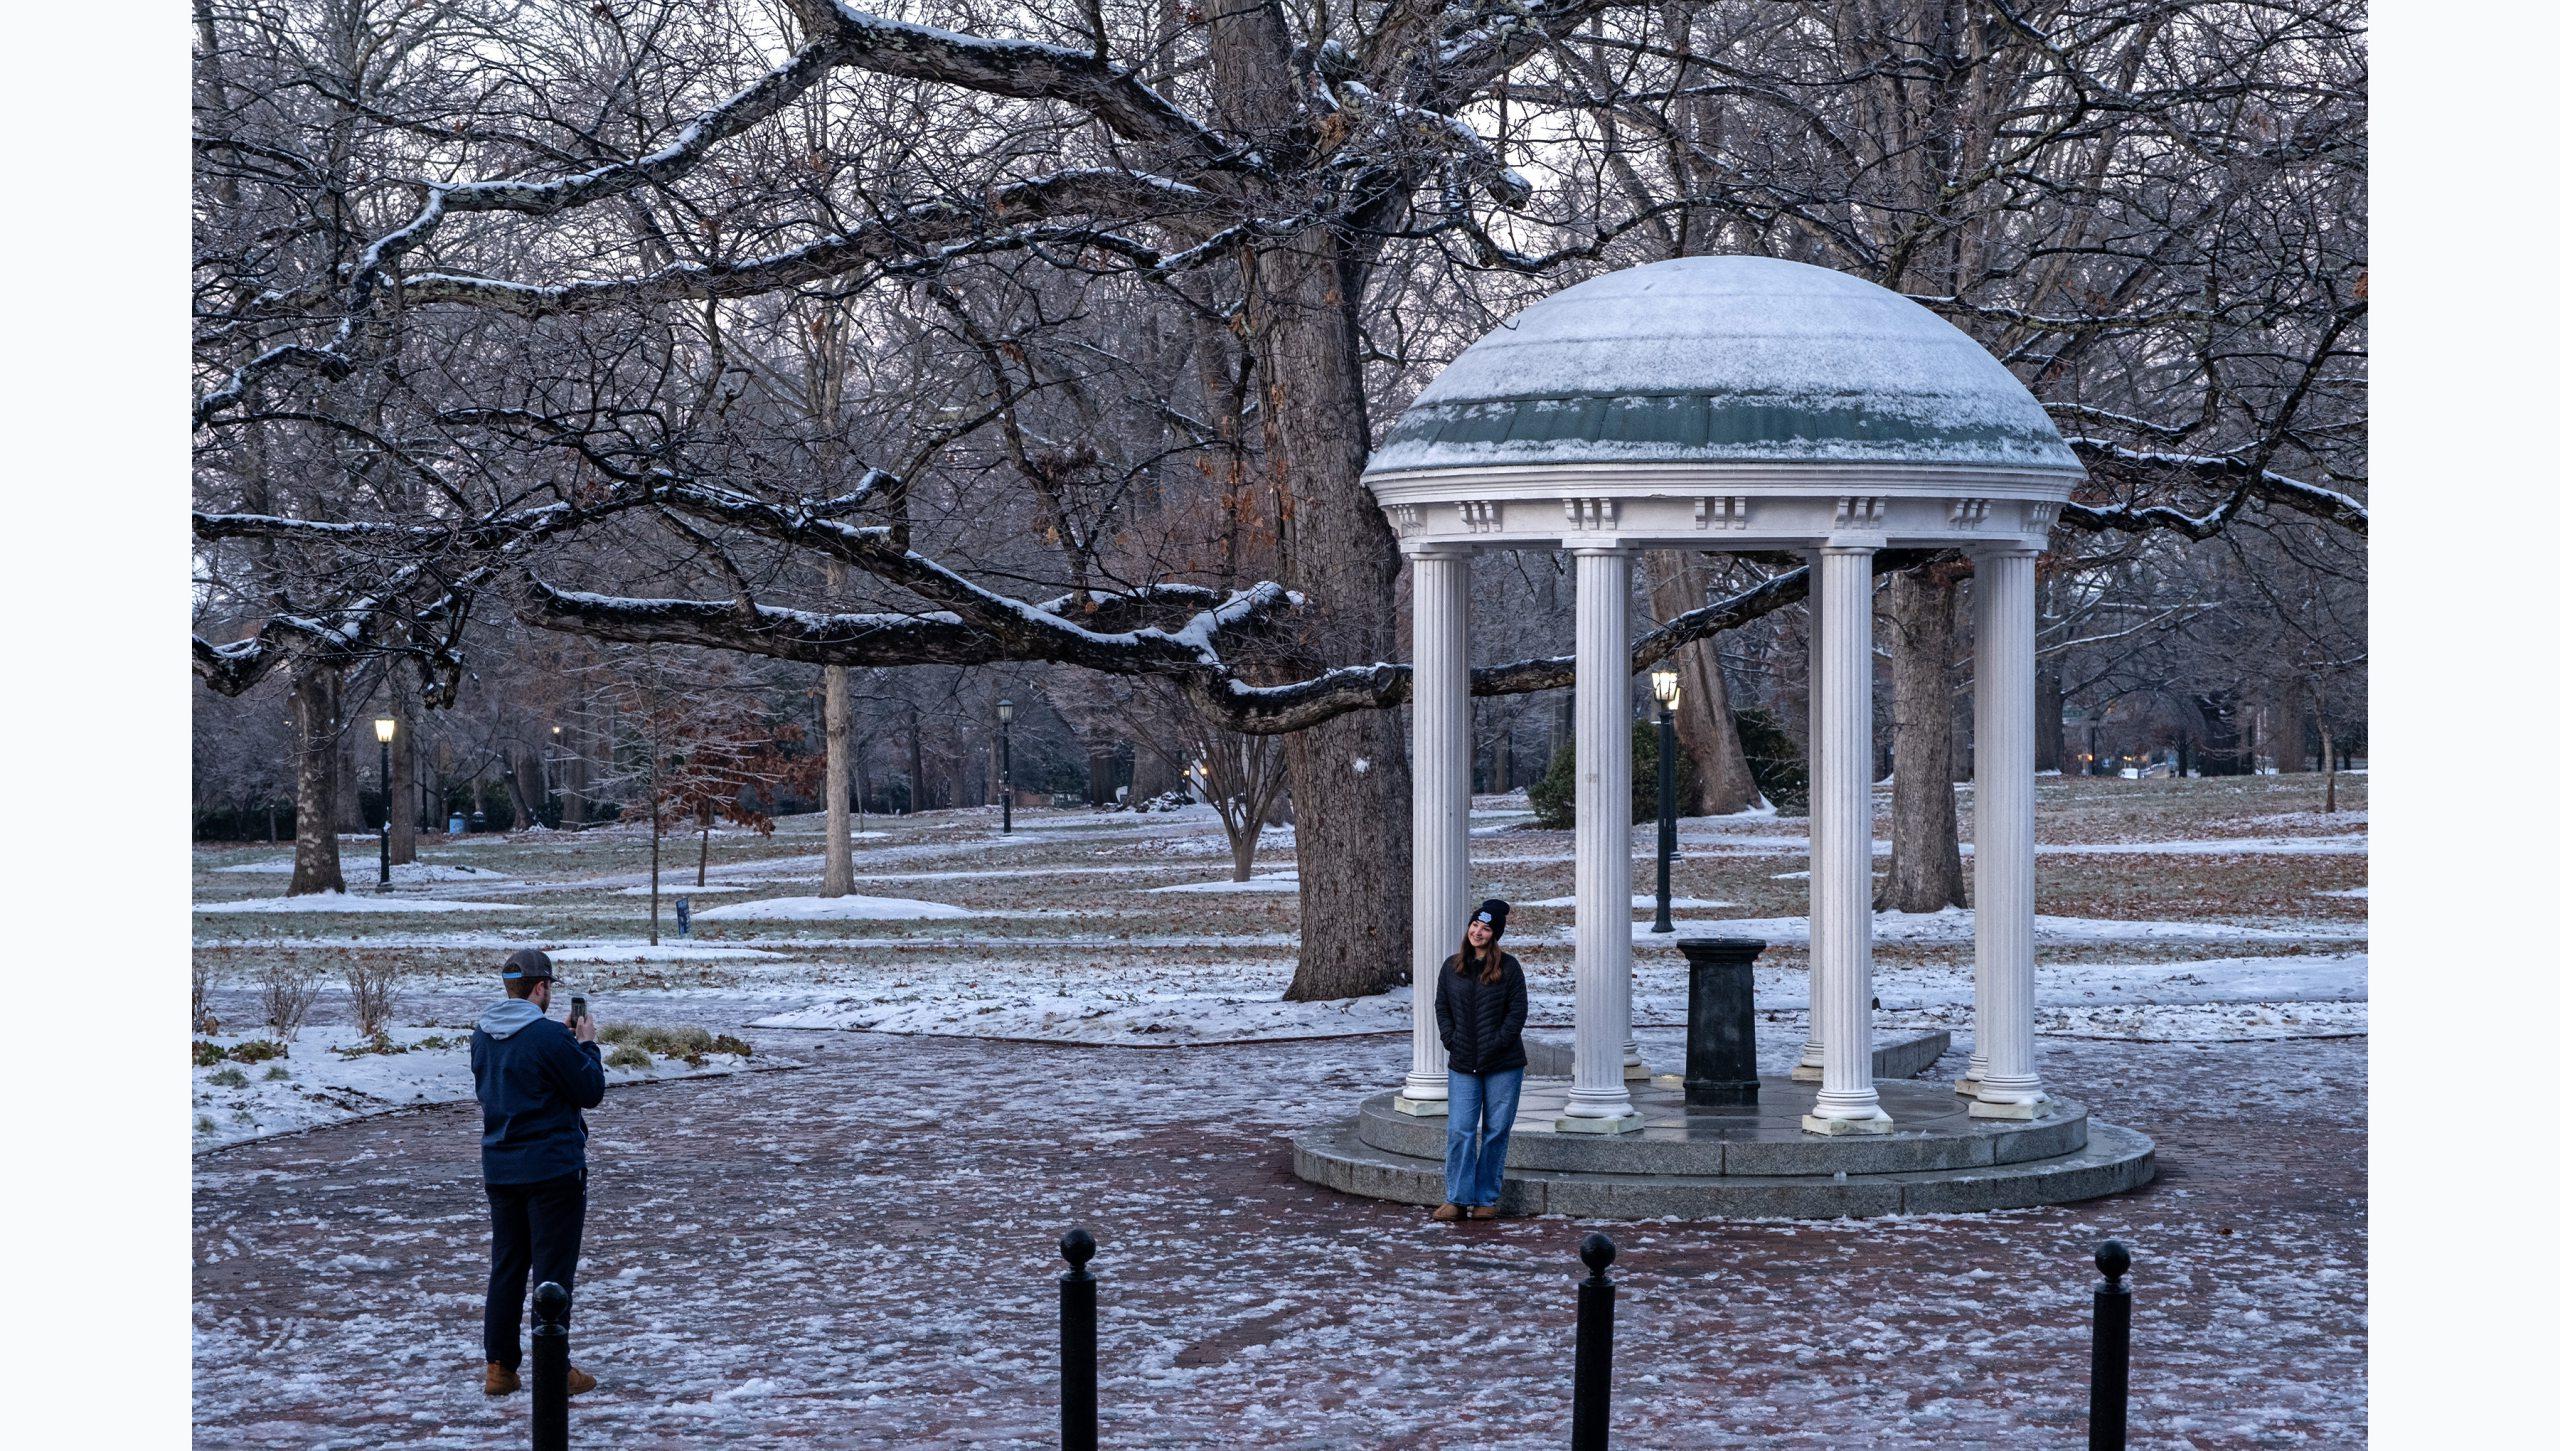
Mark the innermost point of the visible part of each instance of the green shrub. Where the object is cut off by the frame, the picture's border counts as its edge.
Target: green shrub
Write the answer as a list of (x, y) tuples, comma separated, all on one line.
[(278, 1073), (258, 1050), (205, 1124), (1552, 797), (1777, 766), (228, 1078), (207, 1053), (628, 1057)]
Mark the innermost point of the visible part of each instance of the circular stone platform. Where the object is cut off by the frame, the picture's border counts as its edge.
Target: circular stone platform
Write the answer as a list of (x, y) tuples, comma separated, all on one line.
[(1747, 1163)]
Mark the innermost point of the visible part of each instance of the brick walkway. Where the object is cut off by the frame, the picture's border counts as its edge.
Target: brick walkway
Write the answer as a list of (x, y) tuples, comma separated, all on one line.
[(861, 1253)]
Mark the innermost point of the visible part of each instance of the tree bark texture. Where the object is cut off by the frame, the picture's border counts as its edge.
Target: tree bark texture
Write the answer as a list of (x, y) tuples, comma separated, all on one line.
[(1926, 872), (2287, 722), (1705, 718), (314, 707), (839, 727)]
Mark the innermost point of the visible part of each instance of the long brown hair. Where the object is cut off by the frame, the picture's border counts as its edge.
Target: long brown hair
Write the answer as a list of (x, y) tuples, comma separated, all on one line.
[(1489, 969)]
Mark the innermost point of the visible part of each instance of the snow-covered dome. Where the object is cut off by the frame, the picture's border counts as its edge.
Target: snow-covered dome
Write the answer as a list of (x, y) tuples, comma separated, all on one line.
[(1726, 360)]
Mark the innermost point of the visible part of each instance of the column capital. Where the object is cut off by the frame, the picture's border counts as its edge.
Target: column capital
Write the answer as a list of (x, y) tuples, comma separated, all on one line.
[(1599, 544), (1438, 549), (1853, 541)]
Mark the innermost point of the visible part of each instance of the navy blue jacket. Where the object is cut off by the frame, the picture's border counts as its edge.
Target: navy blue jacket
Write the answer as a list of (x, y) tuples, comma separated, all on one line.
[(1480, 1022), (532, 1077)]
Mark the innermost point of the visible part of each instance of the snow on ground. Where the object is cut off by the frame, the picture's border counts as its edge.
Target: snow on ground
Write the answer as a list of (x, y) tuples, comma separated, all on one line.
[(832, 909), (2358, 893), (355, 902), (402, 874), (906, 1264), (1955, 925), (862, 1191), (322, 1081), (1642, 904), (672, 951), (1277, 882), (1142, 1019), (686, 890)]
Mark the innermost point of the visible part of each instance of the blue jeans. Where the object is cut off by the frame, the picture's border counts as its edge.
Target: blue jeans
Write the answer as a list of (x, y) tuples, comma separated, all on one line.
[(1473, 1175)]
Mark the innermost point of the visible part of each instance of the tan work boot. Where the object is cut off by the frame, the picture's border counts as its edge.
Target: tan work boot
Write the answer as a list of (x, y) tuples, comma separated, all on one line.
[(499, 1381), (1483, 1211), (1447, 1213), (580, 1382)]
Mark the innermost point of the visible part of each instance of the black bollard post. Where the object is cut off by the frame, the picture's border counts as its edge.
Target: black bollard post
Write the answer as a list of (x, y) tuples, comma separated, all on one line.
[(1079, 1411), (550, 1367), (1595, 1332), (2110, 1350)]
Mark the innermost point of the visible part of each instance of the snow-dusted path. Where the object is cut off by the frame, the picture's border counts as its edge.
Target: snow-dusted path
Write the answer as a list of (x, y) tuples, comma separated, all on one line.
[(817, 1258)]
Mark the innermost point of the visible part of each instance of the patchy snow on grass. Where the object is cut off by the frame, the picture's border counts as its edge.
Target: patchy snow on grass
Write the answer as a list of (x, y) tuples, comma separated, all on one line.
[(1955, 925), (1108, 1017), (1276, 882), (356, 902), (2356, 892), (662, 952), (687, 890), (1644, 904), (832, 909), (402, 874), (317, 1083)]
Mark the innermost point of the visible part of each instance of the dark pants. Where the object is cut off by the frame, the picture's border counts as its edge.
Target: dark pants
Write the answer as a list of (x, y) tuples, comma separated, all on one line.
[(532, 1227)]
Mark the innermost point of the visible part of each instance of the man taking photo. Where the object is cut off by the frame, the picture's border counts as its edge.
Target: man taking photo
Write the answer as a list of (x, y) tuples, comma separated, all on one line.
[(533, 1076)]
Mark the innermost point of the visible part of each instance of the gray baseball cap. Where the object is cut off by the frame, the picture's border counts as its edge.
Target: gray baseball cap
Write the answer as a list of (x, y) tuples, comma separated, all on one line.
[(526, 964)]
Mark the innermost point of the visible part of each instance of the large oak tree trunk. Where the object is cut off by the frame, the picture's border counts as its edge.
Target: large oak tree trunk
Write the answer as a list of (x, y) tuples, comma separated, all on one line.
[(1350, 778), (1708, 735), (314, 709), (1926, 872), (1350, 781)]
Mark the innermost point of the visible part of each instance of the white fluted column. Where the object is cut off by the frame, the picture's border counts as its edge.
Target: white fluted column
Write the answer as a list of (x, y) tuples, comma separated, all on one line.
[(1808, 1067), (1603, 921), (1843, 857), (2004, 836), (1440, 779)]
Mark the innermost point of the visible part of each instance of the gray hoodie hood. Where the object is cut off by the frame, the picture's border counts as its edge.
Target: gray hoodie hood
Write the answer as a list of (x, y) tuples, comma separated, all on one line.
[(509, 1017)]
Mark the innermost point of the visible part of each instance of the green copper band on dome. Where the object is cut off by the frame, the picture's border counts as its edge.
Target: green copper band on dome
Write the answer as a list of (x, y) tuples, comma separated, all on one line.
[(1654, 427)]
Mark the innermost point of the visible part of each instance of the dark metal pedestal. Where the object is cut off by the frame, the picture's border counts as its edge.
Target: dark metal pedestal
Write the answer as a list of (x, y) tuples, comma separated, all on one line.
[(1724, 1051)]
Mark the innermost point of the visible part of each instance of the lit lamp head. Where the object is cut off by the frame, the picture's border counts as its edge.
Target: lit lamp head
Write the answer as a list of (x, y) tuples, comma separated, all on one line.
[(1004, 711), (383, 727), (1666, 688)]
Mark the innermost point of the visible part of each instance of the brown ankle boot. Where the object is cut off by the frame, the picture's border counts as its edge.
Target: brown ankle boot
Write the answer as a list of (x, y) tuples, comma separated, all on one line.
[(499, 1381), (1447, 1213), (580, 1382)]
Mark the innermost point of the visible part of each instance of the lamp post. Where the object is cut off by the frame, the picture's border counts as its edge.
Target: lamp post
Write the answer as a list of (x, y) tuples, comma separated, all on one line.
[(1666, 698), (1004, 729), (382, 730)]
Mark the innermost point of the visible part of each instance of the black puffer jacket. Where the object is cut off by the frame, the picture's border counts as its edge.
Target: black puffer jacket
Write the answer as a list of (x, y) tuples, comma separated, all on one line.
[(1480, 1022)]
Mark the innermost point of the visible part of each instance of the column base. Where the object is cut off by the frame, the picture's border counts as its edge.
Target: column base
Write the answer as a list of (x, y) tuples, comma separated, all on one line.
[(1967, 1088), (1806, 1073), (1638, 1073), (1626, 1123), (1422, 1107), (1877, 1125), (2034, 1108)]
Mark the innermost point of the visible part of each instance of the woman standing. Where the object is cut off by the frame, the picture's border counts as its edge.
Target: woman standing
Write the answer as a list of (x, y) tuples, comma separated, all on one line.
[(1482, 1004)]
